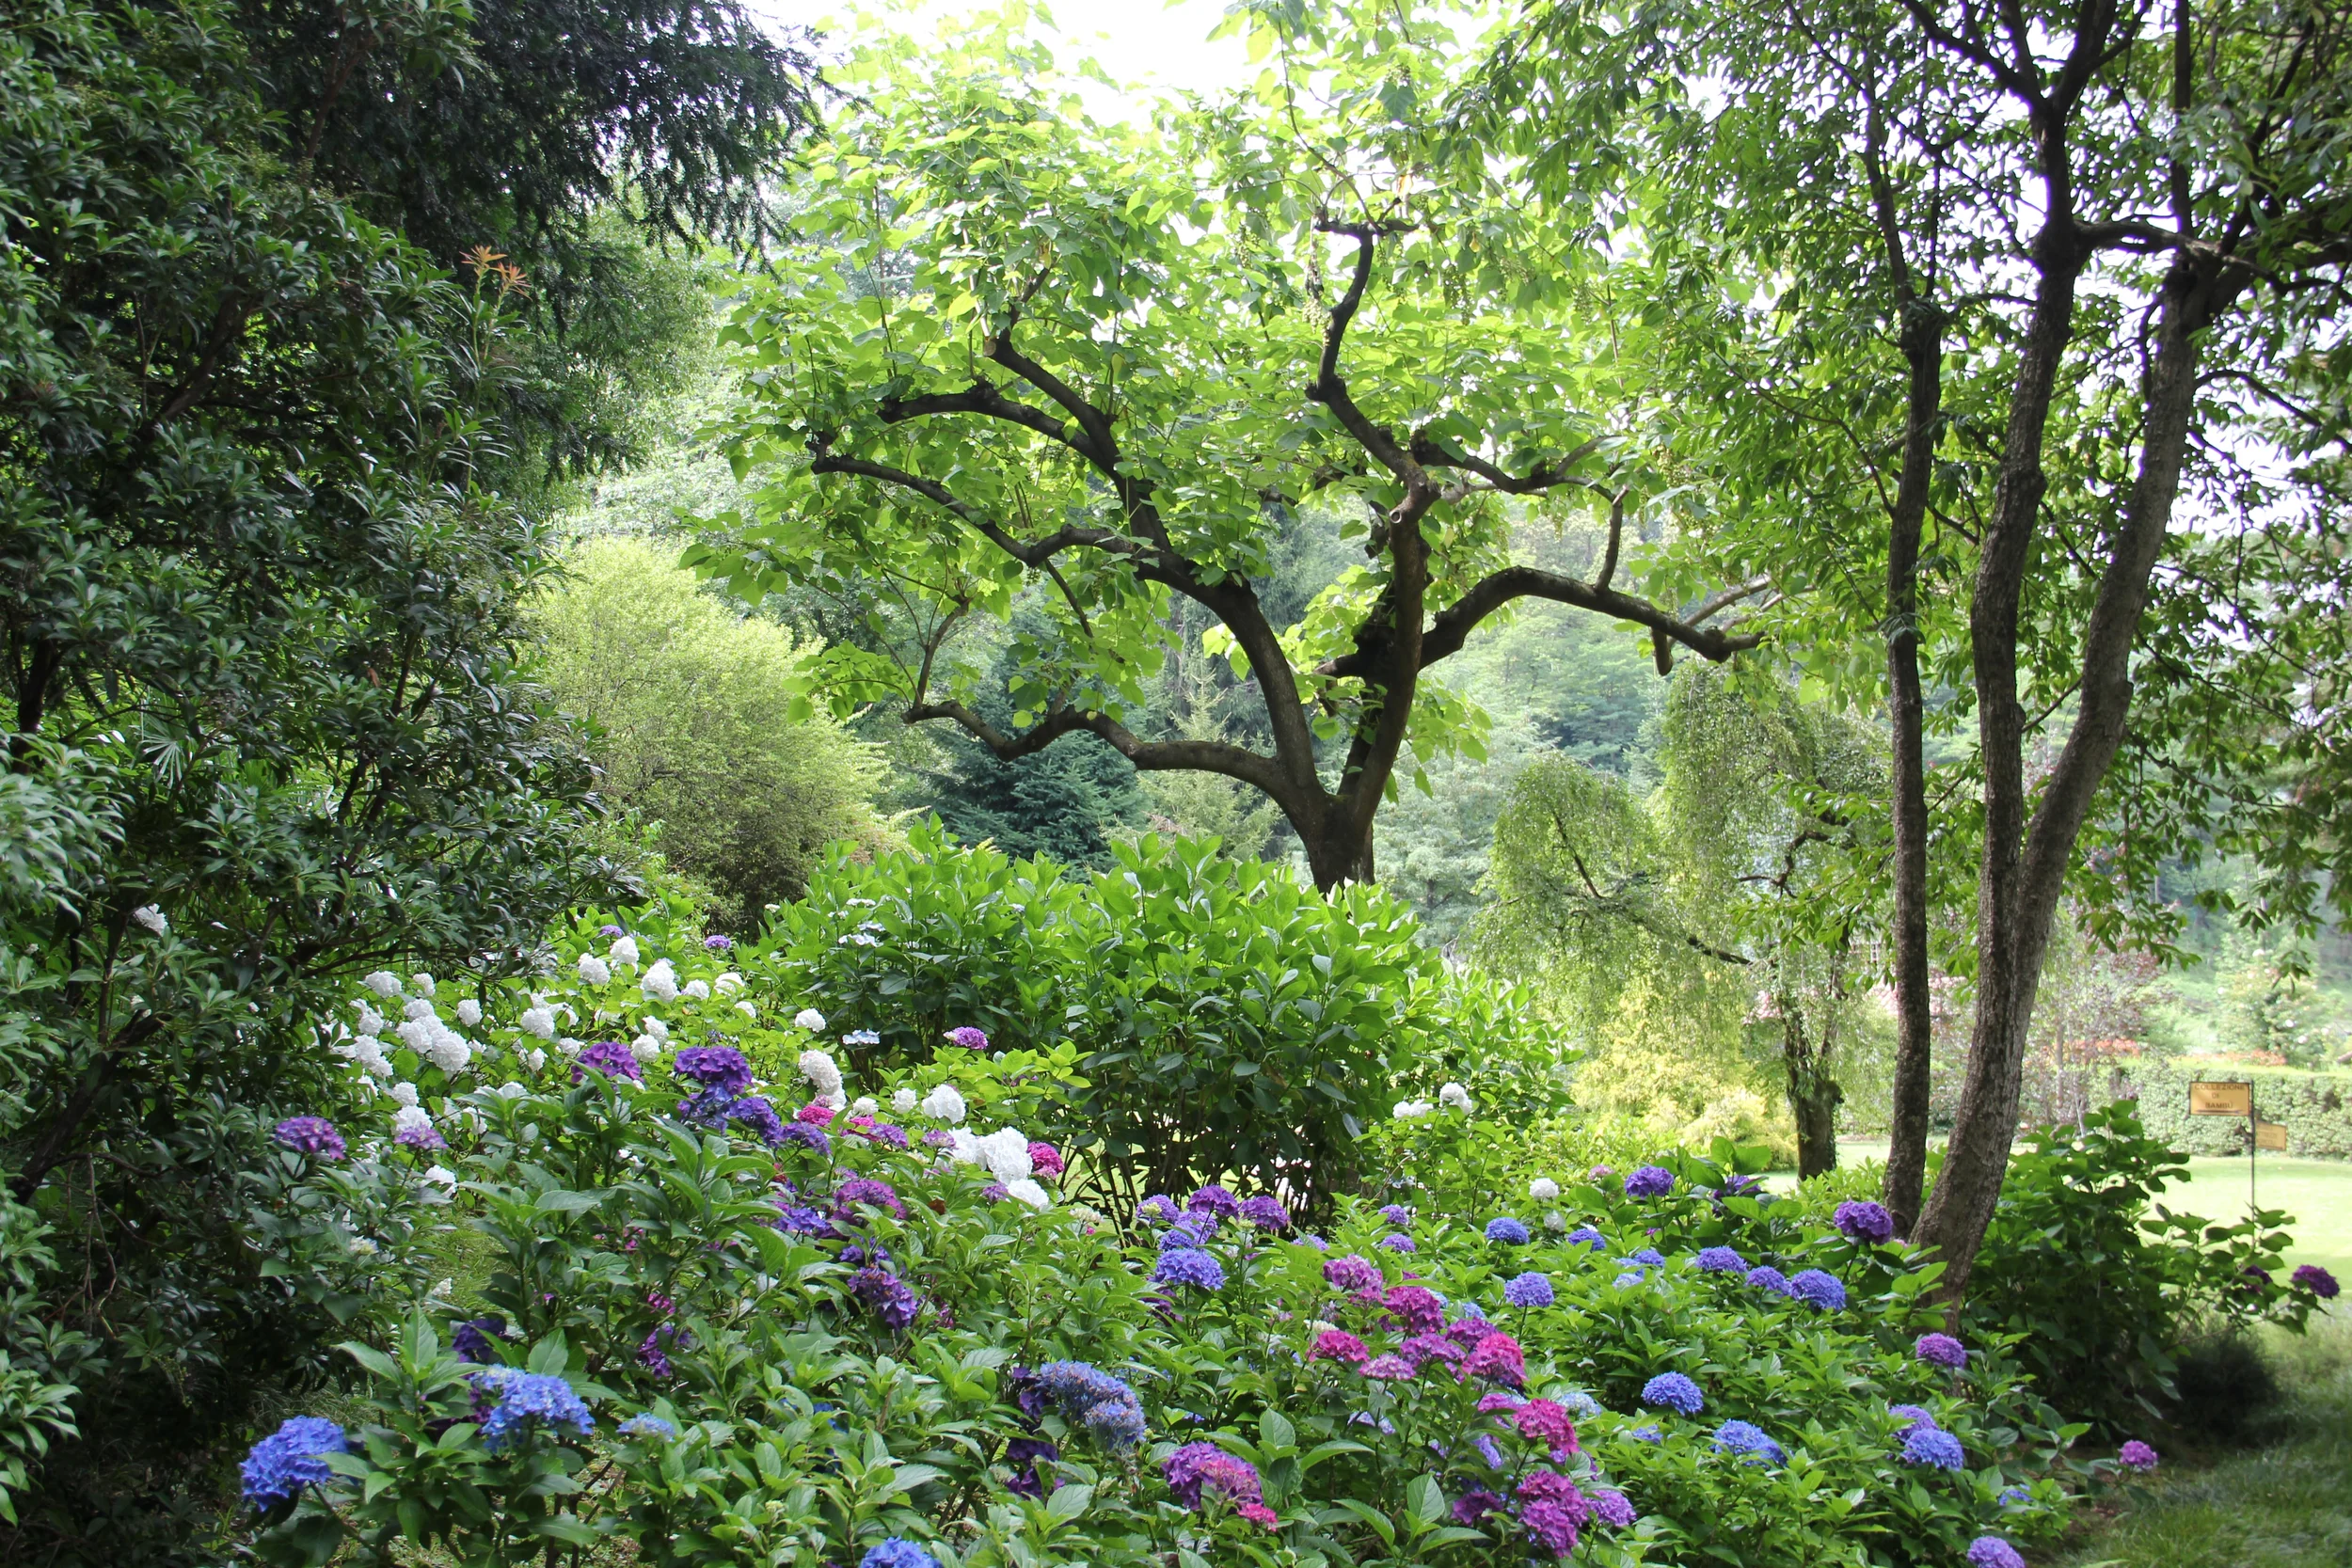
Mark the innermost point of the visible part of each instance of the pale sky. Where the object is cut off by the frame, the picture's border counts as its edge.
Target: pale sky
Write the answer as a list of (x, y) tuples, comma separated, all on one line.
[(1141, 42)]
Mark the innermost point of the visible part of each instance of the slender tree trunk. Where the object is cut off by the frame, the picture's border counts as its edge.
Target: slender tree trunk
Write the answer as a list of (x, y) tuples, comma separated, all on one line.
[(2026, 864), (1907, 1155), (1815, 1104)]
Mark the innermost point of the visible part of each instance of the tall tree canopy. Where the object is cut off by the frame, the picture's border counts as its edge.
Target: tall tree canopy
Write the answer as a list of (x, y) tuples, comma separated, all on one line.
[(1968, 302), (1022, 356)]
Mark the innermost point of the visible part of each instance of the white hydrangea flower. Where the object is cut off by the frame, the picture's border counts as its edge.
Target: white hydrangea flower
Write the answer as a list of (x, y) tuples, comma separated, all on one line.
[(822, 1072), (1555, 1221), (660, 981), (1456, 1097), (623, 951), (1006, 1154), (424, 983), (418, 1009), (866, 1105), (449, 1050), (417, 1035), (470, 1012), (362, 1246), (410, 1117), (569, 1046), (965, 1151), (591, 970), (539, 1022), (862, 1037), (728, 984), (377, 1065), (384, 983), (943, 1104), (539, 1061), (371, 1022), (152, 916), (1409, 1109), (438, 1185), (657, 1029), (747, 1009), (903, 1101), (698, 989), (644, 1048), (1543, 1189), (405, 1093), (1029, 1191), (810, 1020)]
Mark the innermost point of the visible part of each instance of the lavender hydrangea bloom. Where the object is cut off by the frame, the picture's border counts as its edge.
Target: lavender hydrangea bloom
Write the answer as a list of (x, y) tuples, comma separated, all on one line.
[(1931, 1445), (968, 1037), (1864, 1221), (1646, 1433), (1190, 1266), (609, 1057), (1720, 1259), (886, 1295), (524, 1397), (2138, 1455), (1740, 1438), (1267, 1213), (1393, 1368), (1650, 1255), (1181, 1236), (1506, 1231), (1824, 1292), (277, 1468), (1156, 1210), (1912, 1415), (1673, 1391), (1551, 1526), (1476, 1504), (870, 1193), (1528, 1290), (1940, 1349), (1396, 1213), (309, 1135), (808, 1137), (1399, 1242), (1214, 1199), (1348, 1272), (898, 1552), (1205, 1465), (2318, 1281), (421, 1136), (1611, 1508), (1765, 1277), (1649, 1181), (715, 1066), (2014, 1497), (718, 942), (1096, 1399), (1584, 1235), (1990, 1552), (648, 1426)]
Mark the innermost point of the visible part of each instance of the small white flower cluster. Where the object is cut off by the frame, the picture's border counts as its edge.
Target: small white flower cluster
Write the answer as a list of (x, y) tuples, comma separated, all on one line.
[(659, 982), (943, 1104), (1544, 1190), (592, 971), (384, 983), (1555, 1221), (866, 1106), (363, 1047), (698, 989), (652, 1041), (1005, 1155), (824, 1076), (862, 1037), (470, 1012), (621, 952), (152, 916), (1455, 1097), (538, 1021), (810, 1020), (904, 1101), (423, 1033), (1407, 1110)]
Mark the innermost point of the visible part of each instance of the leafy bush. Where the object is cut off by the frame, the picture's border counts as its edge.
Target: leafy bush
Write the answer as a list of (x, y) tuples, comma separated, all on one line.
[(2316, 1108), (2101, 1283), (695, 726), (717, 1326)]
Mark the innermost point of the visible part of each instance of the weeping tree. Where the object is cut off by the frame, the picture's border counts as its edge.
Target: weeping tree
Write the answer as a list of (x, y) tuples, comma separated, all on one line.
[(1738, 894), (1024, 358)]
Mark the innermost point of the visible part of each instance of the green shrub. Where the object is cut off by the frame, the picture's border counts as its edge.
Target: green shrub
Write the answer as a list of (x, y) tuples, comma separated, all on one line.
[(2316, 1108)]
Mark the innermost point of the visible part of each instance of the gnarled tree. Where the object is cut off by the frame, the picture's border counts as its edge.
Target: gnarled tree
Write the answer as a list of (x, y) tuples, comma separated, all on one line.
[(1025, 357)]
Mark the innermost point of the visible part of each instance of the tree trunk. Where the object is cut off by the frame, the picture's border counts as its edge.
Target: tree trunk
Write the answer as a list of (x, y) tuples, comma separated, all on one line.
[(1815, 1104), (1907, 1153), (2026, 865)]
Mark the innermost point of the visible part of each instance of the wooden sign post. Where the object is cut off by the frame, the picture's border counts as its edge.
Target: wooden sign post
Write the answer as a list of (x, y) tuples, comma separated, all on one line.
[(2235, 1097)]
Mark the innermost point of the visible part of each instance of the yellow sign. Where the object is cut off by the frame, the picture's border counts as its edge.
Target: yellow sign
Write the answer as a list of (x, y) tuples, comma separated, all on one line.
[(2270, 1134), (2210, 1099)]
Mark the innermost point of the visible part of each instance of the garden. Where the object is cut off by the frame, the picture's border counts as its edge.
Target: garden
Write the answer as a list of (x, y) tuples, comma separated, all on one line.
[(1487, 784)]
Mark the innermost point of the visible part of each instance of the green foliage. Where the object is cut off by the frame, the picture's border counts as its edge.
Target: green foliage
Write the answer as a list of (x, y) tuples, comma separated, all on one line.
[(2102, 1283), (694, 715), (2314, 1107)]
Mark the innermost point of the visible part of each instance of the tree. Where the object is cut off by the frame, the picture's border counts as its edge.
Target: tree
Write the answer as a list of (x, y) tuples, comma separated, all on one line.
[(269, 721), (1024, 354), (689, 702), (2178, 274)]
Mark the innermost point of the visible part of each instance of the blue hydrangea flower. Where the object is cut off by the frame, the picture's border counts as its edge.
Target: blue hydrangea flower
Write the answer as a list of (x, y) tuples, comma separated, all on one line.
[(1179, 1236), (278, 1467), (898, 1552), (1396, 1213), (2014, 1497), (1673, 1391), (1650, 1255), (1584, 1235), (1399, 1242), (1490, 1452), (1627, 1279), (1186, 1265), (1528, 1290), (1742, 1438), (1766, 1277), (523, 1397), (1823, 1292), (1912, 1415), (1646, 1433), (648, 1426), (1579, 1405), (1927, 1444), (1864, 1221), (1507, 1230), (1096, 1399), (1720, 1259)]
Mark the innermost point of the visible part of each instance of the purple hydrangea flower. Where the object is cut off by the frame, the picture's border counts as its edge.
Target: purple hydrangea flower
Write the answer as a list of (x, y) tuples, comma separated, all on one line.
[(1865, 1221), (609, 1057), (277, 1468), (1823, 1292), (938, 1138), (1528, 1290), (886, 1135), (873, 1194), (1927, 1444), (1742, 1438), (1584, 1235), (715, 1066), (1720, 1259), (968, 1037), (898, 1552), (1646, 1433), (759, 1117), (1940, 1349), (1351, 1272), (1551, 1526), (524, 1397), (423, 1137), (309, 1135), (1611, 1508), (886, 1296), (2138, 1455), (1026, 1456), (1649, 1181), (1396, 1213), (1214, 1199), (2318, 1281), (1399, 1242), (1474, 1505), (1393, 1368), (1912, 1415), (1990, 1552), (1196, 1466), (1190, 1266), (471, 1341), (1267, 1213), (718, 942), (808, 1137), (1095, 1398), (1766, 1277), (1506, 1231), (1156, 1210), (1673, 1391), (1420, 1309)]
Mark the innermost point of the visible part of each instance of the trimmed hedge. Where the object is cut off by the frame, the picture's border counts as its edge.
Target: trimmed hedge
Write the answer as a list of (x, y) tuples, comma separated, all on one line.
[(2316, 1107)]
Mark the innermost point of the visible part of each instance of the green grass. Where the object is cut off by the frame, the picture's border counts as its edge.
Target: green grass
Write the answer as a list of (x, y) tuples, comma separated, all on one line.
[(2285, 1504)]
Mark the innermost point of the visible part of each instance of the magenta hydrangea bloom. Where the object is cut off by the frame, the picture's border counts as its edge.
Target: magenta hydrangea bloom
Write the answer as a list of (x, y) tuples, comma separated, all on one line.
[(2318, 1281), (309, 1135), (1546, 1421), (1416, 1306), (1476, 1504), (1941, 1350), (1047, 1159), (1550, 1526), (1498, 1356), (2138, 1455), (1337, 1344), (609, 1057)]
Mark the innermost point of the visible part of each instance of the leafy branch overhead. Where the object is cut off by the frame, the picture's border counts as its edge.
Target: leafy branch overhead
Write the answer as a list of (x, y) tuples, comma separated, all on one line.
[(1020, 356)]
